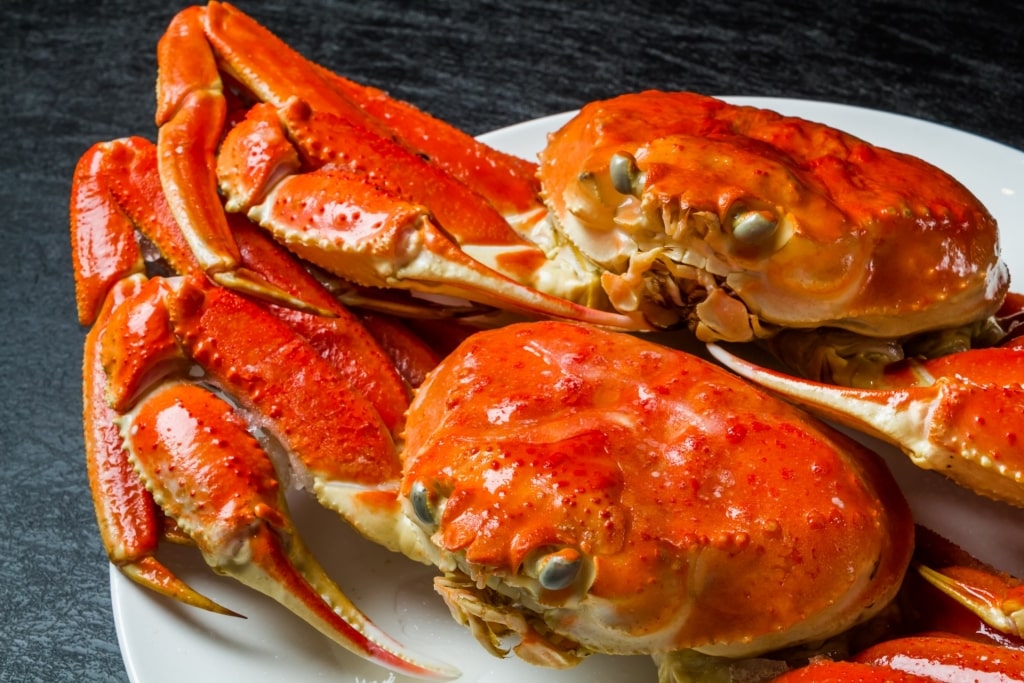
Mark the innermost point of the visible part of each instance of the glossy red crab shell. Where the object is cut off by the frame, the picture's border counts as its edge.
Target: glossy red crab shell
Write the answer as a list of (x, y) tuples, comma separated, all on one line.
[(801, 225), (675, 481)]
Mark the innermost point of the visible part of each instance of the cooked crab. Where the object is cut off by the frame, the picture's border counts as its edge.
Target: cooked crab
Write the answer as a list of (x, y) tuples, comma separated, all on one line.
[(599, 433)]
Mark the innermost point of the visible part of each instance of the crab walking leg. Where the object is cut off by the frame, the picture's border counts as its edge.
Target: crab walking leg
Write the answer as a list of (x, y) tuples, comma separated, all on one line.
[(508, 182), (473, 229), (341, 337), (125, 512), (191, 113), (209, 474), (995, 599), (956, 593), (276, 73), (103, 245), (845, 672), (323, 139), (376, 239), (946, 659), (958, 415)]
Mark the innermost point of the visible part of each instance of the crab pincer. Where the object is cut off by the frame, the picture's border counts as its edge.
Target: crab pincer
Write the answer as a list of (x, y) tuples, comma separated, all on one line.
[(957, 414), (214, 479)]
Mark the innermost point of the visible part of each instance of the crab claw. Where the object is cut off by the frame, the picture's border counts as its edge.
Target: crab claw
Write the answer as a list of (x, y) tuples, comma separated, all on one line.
[(213, 478), (128, 519), (413, 227), (958, 414)]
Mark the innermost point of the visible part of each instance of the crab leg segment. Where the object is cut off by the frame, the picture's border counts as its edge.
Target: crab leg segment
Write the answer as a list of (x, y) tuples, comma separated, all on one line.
[(339, 337), (939, 658), (924, 659), (276, 73), (376, 239), (208, 473), (191, 113), (314, 412), (129, 523), (996, 600), (103, 244), (959, 414), (378, 215)]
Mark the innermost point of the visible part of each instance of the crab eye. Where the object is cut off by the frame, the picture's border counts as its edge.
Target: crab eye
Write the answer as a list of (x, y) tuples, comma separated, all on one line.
[(559, 569), (753, 226), (625, 174), (419, 497)]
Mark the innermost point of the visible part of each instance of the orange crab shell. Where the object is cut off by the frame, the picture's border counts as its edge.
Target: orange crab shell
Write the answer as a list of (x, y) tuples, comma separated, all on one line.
[(712, 515), (867, 239)]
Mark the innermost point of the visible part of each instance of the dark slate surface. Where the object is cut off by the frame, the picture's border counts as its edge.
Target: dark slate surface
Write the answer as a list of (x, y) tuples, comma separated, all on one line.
[(74, 73)]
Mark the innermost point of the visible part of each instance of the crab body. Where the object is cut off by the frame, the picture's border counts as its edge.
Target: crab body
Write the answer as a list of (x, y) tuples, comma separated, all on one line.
[(640, 480), (743, 221)]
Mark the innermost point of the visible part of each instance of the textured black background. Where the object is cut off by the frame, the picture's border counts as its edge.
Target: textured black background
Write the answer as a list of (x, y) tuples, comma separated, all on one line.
[(74, 73)]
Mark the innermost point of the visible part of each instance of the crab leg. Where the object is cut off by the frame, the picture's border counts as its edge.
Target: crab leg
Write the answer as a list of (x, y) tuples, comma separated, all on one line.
[(103, 244), (207, 472), (191, 113), (334, 436), (341, 337), (993, 598), (981, 598), (924, 659), (125, 512), (277, 73), (325, 139), (339, 445), (958, 414), (347, 223), (947, 659)]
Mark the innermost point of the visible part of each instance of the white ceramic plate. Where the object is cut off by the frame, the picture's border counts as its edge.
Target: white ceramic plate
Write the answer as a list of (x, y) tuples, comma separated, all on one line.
[(163, 641)]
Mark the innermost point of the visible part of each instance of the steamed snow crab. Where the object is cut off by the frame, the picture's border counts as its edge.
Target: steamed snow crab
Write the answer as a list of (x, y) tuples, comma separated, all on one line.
[(534, 463)]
